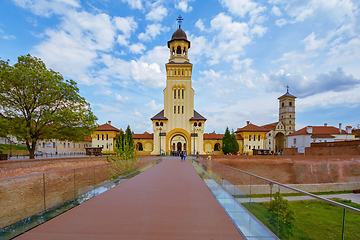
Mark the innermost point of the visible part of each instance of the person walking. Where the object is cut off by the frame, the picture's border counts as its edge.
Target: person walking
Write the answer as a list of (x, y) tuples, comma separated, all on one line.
[(184, 156), (181, 156)]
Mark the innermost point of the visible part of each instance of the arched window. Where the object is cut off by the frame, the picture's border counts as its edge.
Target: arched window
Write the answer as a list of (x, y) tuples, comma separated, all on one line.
[(175, 72), (200, 124), (107, 137), (259, 138), (102, 136), (254, 137), (289, 122), (249, 147), (282, 104), (139, 146), (183, 93), (182, 109), (290, 103), (174, 93), (179, 93), (161, 124), (98, 137), (217, 147), (182, 73), (178, 50), (174, 109), (184, 51), (195, 124), (157, 124), (249, 137), (107, 146), (178, 109)]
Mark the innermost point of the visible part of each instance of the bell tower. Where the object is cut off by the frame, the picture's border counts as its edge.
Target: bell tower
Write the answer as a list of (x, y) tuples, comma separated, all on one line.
[(178, 127), (287, 111)]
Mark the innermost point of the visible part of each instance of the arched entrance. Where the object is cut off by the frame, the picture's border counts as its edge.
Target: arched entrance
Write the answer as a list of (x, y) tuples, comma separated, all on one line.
[(178, 143), (279, 142)]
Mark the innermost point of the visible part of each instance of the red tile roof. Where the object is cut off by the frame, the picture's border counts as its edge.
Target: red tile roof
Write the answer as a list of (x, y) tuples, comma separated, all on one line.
[(318, 130), (213, 135), (270, 126), (107, 127), (252, 128), (145, 135)]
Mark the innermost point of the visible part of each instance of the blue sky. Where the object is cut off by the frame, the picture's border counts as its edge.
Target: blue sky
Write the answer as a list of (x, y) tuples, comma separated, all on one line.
[(244, 53)]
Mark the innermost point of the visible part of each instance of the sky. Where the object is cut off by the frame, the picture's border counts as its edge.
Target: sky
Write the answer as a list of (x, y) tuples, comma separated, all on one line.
[(244, 54)]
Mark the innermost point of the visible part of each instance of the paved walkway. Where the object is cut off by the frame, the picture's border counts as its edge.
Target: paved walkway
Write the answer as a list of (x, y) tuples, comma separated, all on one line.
[(355, 198), (168, 201)]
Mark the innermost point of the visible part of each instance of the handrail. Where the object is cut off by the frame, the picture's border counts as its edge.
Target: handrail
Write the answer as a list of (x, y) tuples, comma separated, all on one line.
[(295, 189)]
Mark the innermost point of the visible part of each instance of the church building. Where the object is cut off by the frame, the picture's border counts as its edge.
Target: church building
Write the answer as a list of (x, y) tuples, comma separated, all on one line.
[(178, 127)]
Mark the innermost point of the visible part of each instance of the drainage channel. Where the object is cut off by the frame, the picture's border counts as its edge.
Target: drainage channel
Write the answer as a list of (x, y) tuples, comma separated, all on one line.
[(18, 228), (248, 226)]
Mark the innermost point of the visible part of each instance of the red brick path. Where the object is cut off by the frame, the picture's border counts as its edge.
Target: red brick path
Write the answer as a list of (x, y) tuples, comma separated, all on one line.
[(168, 201)]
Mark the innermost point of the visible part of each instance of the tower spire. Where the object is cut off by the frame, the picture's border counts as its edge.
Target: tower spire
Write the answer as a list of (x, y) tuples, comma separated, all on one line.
[(179, 19), (287, 88)]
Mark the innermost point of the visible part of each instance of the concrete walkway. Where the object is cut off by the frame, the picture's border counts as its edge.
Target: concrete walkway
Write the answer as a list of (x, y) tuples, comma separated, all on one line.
[(168, 201), (355, 198)]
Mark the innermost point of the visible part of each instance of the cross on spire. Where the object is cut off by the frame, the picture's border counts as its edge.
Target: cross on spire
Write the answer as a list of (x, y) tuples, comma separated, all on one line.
[(287, 86), (179, 19)]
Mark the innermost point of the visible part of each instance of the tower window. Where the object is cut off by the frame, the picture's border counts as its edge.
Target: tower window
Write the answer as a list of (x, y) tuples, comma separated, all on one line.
[(200, 124), (195, 124), (178, 50), (157, 124), (182, 73), (179, 94), (174, 109), (182, 108), (254, 137), (290, 103), (290, 115), (281, 104), (289, 122), (183, 93), (179, 73), (174, 93), (161, 124), (178, 109)]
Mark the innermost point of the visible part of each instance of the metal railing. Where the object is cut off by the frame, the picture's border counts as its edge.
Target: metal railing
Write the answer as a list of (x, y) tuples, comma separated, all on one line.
[(288, 212)]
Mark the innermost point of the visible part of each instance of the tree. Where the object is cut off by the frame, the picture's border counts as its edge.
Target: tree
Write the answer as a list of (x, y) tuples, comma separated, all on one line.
[(126, 160), (229, 142), (36, 103)]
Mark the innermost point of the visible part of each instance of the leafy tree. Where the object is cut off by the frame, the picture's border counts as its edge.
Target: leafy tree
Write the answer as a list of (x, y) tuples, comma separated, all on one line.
[(36, 103), (229, 142), (286, 216), (125, 159)]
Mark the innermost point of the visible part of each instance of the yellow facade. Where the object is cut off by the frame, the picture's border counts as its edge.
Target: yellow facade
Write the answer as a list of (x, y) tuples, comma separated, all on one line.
[(177, 128), (251, 140), (104, 139)]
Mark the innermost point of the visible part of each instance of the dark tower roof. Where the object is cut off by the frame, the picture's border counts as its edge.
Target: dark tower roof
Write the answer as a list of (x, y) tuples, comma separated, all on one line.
[(179, 34)]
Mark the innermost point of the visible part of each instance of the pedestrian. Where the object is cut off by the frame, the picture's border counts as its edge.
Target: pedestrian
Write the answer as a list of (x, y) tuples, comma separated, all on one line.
[(181, 156), (184, 156)]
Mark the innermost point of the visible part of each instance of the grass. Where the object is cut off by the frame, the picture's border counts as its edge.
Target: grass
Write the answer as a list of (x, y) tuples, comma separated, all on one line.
[(13, 147), (293, 194), (314, 219)]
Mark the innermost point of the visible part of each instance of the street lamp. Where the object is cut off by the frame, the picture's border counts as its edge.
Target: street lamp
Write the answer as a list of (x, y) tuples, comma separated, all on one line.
[(160, 140)]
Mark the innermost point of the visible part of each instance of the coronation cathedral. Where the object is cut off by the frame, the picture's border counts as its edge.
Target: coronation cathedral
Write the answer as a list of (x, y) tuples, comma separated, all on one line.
[(179, 127)]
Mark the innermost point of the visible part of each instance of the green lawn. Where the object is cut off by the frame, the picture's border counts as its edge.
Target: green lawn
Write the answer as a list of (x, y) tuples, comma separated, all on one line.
[(13, 147), (314, 220)]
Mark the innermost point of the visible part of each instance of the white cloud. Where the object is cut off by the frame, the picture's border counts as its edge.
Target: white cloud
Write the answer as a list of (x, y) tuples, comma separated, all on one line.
[(157, 14), (152, 31), (48, 7), (138, 114), (243, 7), (145, 73), (156, 107), (135, 4), (137, 48), (120, 98), (199, 24), (183, 6), (312, 44), (125, 24), (258, 30), (345, 52), (276, 11), (281, 22)]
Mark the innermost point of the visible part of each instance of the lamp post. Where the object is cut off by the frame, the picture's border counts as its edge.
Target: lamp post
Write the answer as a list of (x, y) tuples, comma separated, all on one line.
[(160, 140), (194, 139), (10, 149)]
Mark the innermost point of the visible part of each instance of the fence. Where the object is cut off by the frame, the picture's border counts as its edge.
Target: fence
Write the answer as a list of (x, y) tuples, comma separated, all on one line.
[(309, 217), (26, 196)]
